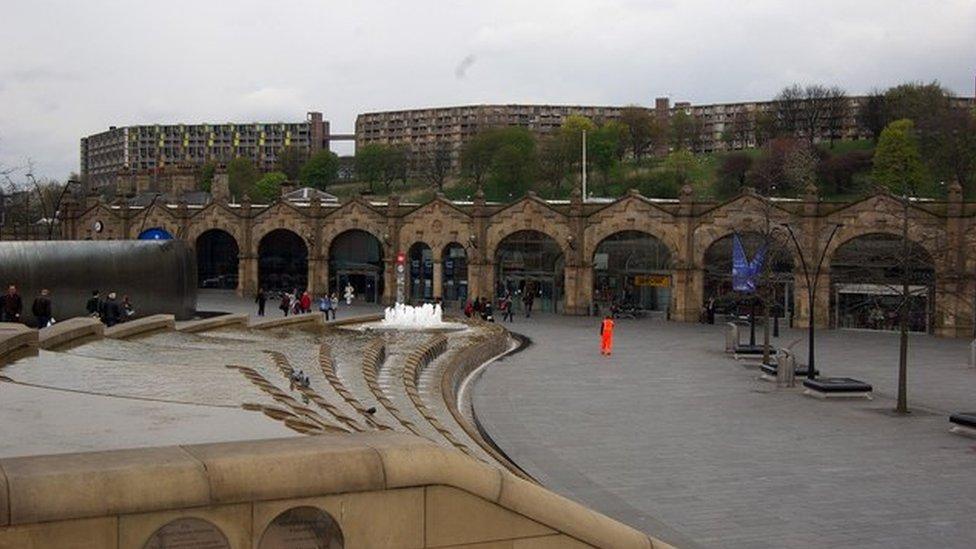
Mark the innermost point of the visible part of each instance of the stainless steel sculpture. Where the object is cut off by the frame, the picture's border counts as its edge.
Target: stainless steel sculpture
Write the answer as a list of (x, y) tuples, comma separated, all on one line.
[(158, 276)]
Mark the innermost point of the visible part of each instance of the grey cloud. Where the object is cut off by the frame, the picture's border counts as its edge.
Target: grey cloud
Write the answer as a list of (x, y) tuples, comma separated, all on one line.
[(345, 58)]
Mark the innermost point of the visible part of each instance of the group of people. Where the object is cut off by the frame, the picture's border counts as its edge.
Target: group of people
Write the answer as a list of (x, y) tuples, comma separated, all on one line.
[(481, 307), (12, 307), (109, 309), (300, 302)]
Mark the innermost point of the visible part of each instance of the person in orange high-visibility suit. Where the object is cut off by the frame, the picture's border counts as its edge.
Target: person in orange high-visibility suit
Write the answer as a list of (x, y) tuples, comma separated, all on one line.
[(606, 336)]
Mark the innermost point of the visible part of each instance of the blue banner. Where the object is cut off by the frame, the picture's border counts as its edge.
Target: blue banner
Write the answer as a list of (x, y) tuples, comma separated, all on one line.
[(744, 272)]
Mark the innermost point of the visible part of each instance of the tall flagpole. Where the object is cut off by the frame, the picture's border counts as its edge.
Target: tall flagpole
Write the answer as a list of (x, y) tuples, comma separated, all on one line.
[(584, 165)]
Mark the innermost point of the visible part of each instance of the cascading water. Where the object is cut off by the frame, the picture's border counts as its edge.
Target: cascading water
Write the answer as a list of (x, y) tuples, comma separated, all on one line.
[(408, 317)]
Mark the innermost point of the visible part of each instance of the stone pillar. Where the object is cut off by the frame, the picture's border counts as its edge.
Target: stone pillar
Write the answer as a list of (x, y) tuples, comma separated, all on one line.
[(687, 289), (801, 302), (389, 281), (574, 303), (438, 279), (247, 267), (954, 287)]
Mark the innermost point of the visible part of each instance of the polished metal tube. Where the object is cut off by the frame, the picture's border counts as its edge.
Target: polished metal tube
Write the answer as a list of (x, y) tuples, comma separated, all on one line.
[(158, 276)]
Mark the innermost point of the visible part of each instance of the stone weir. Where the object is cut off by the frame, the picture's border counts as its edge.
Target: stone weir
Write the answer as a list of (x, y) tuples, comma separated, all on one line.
[(381, 457)]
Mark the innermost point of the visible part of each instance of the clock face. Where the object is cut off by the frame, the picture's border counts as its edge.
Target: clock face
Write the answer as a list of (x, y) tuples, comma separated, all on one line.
[(97, 226)]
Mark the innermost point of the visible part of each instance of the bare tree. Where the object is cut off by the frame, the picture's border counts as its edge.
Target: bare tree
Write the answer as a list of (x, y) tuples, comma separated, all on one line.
[(789, 109), (434, 164)]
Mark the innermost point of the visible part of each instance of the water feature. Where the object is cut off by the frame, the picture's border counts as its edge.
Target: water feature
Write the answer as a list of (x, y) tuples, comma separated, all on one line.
[(407, 317)]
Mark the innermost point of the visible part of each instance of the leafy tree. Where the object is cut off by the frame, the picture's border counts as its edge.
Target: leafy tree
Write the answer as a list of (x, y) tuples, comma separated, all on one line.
[(290, 161), (732, 174), (268, 188), (320, 171), (205, 176), (837, 173), (477, 153), (640, 129), (434, 164), (241, 176), (897, 162), (553, 163), (369, 163), (680, 165), (923, 104), (571, 134), (766, 127), (871, 113), (685, 131), (603, 148)]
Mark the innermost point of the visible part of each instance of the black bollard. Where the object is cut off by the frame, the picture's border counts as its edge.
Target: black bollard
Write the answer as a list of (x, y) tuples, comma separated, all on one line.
[(752, 324), (776, 326)]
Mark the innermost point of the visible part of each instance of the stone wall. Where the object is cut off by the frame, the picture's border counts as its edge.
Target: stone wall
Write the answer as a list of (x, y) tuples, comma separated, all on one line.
[(687, 227), (374, 490)]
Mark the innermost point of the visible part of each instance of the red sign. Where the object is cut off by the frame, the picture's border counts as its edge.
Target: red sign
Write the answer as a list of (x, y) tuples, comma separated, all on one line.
[(401, 258)]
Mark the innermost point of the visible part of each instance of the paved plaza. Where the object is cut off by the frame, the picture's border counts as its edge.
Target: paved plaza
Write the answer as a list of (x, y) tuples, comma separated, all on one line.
[(674, 437)]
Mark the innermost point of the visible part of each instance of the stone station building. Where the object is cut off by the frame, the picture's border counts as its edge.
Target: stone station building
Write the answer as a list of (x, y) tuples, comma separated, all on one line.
[(667, 256)]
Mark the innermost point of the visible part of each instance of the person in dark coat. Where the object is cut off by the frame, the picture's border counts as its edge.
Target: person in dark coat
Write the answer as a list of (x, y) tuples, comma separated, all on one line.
[(261, 299), (11, 305), (112, 311), (93, 306), (42, 309), (528, 299)]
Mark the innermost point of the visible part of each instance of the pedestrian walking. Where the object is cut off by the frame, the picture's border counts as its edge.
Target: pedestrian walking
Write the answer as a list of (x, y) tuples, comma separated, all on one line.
[(285, 304), (42, 309), (111, 311), (506, 307), (606, 336), (468, 309), (528, 299), (306, 302), (94, 304), (325, 305), (11, 305), (335, 304), (349, 293), (261, 298)]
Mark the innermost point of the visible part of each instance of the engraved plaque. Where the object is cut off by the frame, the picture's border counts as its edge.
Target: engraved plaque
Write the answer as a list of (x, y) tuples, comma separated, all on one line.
[(302, 528), (187, 533)]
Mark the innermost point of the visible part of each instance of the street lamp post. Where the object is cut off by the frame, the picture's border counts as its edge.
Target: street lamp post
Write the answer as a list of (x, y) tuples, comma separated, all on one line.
[(812, 294)]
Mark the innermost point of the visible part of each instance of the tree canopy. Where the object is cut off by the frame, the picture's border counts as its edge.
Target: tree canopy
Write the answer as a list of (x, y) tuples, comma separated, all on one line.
[(897, 162), (320, 171)]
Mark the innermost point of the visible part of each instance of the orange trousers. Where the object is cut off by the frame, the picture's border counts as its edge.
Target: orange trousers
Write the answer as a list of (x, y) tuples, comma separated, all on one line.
[(606, 343)]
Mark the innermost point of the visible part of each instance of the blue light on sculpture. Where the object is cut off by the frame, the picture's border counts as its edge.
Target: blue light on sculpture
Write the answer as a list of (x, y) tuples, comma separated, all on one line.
[(155, 234)]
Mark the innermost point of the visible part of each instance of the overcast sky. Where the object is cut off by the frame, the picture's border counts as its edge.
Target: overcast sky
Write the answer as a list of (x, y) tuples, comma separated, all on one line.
[(72, 68)]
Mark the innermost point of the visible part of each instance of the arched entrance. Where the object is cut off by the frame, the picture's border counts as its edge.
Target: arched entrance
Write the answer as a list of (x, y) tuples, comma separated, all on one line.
[(217, 259), (633, 270), (775, 280), (866, 277), (421, 272), (454, 283), (282, 261), (356, 257), (530, 261)]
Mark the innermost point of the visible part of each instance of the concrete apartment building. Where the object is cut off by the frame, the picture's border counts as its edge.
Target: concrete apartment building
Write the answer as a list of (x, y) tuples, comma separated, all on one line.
[(158, 148), (420, 130)]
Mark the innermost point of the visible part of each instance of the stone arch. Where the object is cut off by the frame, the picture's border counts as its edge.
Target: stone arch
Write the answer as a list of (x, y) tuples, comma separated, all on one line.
[(283, 257), (438, 224), (218, 259), (632, 268), (866, 276), (531, 262), (454, 272), (215, 216), (360, 263), (354, 216), (529, 214), (634, 214), (420, 270)]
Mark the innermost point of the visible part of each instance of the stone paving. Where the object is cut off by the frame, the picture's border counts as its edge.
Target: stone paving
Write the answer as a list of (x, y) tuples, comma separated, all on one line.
[(674, 437)]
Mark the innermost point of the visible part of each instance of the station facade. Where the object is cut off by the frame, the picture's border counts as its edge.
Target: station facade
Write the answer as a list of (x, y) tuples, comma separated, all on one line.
[(658, 257)]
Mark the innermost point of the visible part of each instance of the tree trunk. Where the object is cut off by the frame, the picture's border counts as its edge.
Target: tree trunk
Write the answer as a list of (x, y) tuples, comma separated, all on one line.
[(902, 407)]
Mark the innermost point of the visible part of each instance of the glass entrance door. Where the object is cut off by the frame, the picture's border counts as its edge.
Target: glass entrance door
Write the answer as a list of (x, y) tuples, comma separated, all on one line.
[(546, 292), (364, 285)]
